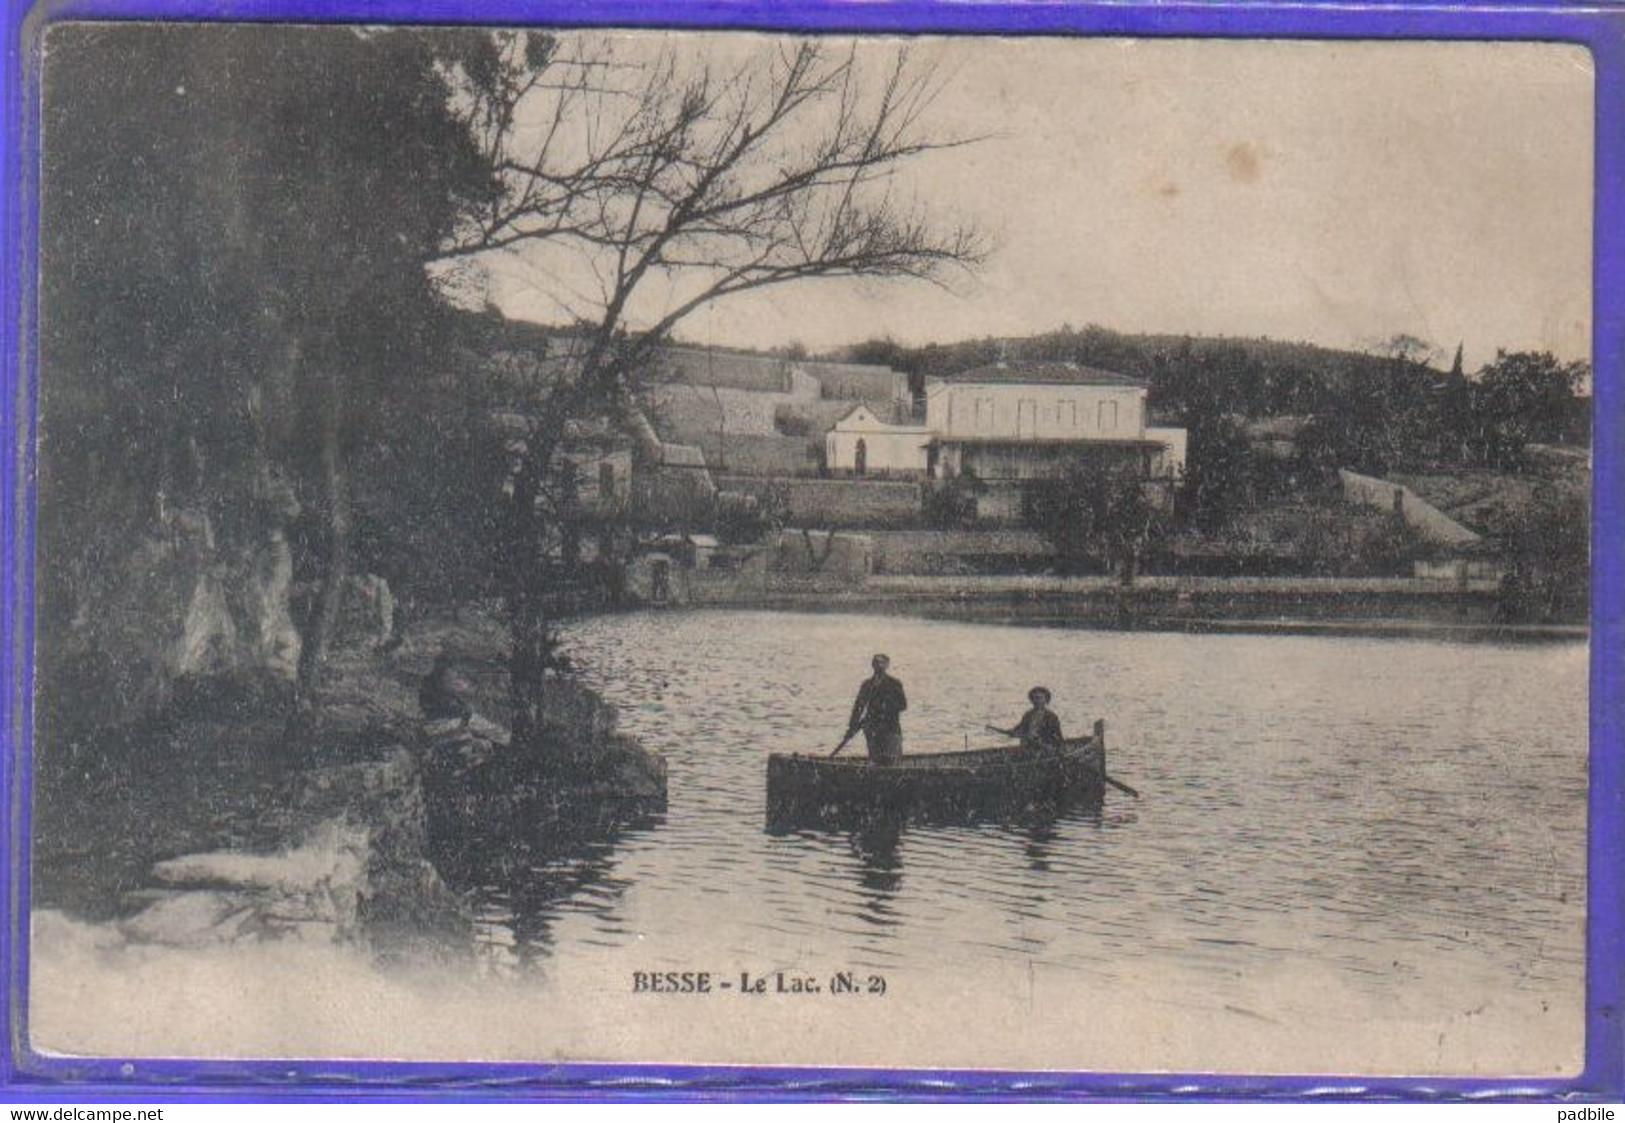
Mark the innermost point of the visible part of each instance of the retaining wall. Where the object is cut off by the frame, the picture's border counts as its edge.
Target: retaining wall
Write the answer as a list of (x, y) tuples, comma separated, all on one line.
[(837, 503)]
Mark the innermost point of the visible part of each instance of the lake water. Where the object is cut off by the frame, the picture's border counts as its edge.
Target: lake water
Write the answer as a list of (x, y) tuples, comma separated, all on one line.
[(1350, 856), (1394, 825)]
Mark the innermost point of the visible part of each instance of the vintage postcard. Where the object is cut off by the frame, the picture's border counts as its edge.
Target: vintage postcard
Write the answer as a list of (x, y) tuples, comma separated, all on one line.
[(724, 548)]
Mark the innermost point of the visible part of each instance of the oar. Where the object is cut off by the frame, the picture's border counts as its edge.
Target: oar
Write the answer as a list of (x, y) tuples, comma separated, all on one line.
[(1120, 786), (849, 735), (1116, 783)]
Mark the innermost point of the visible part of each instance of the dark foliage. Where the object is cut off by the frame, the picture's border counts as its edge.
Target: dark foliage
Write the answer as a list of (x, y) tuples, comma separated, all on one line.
[(1524, 398), (1096, 517), (234, 226), (744, 519), (951, 504), (1548, 550)]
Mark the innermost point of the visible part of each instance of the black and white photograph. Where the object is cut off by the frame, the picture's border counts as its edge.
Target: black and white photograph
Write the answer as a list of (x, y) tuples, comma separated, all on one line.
[(725, 548)]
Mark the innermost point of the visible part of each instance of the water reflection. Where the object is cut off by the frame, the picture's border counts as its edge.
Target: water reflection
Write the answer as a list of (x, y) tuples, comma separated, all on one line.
[(876, 847), (1397, 813), (528, 865), (1038, 839)]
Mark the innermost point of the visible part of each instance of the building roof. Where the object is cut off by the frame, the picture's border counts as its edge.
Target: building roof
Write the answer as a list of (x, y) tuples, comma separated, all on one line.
[(818, 415), (875, 424), (1029, 372)]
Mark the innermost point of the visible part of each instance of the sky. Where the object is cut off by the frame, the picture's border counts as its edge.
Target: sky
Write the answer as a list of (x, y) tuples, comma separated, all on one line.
[(1337, 193)]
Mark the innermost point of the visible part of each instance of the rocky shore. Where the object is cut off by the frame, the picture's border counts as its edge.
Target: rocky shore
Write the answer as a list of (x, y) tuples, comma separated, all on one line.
[(215, 822), (355, 869)]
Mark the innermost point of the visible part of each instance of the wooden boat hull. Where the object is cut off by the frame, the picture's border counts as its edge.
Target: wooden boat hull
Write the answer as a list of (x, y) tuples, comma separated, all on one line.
[(952, 786)]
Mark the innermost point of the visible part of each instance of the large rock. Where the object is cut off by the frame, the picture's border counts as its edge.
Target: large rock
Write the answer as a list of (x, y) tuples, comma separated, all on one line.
[(358, 871), (185, 602), (368, 615), (624, 769), (334, 854), (190, 919), (237, 618), (399, 897)]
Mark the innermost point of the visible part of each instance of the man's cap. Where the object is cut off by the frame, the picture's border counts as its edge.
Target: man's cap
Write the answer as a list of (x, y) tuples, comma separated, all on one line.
[(1032, 695)]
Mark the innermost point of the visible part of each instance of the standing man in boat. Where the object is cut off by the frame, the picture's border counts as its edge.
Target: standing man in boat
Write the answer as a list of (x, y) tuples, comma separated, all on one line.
[(879, 713), (1039, 728)]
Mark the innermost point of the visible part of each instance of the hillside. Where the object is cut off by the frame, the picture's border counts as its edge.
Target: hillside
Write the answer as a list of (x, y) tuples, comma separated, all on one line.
[(1273, 365), (1499, 504)]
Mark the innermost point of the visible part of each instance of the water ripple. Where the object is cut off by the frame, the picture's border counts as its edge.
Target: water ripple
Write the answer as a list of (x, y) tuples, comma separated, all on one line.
[(1402, 812)]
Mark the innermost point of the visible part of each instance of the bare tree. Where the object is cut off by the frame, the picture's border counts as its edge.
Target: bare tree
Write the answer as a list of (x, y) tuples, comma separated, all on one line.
[(645, 191), (1408, 350)]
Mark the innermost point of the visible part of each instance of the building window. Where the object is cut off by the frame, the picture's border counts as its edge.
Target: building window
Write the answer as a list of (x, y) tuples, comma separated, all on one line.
[(1108, 417), (1026, 418), (984, 415), (1066, 415)]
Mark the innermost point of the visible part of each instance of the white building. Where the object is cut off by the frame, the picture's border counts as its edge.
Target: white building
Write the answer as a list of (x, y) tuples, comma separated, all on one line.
[(861, 444), (1028, 420)]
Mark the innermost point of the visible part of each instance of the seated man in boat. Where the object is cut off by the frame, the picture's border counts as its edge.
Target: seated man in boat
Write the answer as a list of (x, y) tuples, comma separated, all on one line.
[(1039, 728), (879, 712)]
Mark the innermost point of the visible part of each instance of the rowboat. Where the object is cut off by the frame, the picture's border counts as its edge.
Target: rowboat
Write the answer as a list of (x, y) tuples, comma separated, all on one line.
[(951, 785)]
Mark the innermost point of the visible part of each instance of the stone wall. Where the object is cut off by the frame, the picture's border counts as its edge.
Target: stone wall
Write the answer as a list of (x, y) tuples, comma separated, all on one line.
[(857, 381), (1350, 606), (750, 414), (794, 589), (686, 414), (938, 551), (710, 417), (823, 553), (699, 366), (768, 456), (839, 503)]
